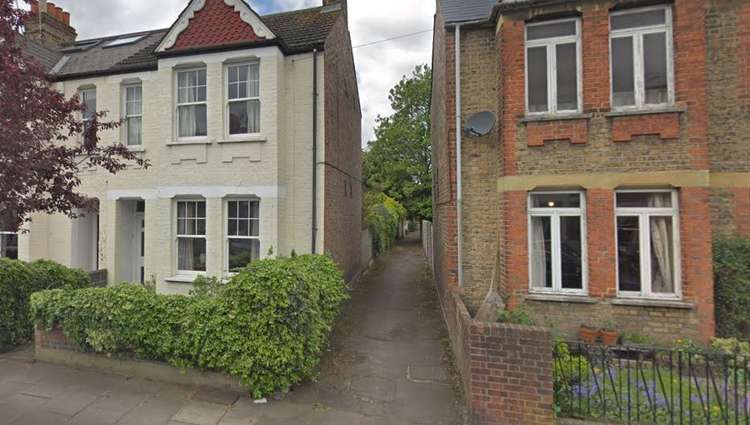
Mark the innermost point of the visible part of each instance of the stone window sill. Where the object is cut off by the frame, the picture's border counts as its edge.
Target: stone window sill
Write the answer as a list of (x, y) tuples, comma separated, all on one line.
[(650, 302), (554, 117), (254, 138), (189, 142), (561, 298), (136, 149), (181, 279), (673, 109)]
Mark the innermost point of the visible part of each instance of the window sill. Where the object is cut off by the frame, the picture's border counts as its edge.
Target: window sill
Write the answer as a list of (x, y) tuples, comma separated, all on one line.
[(187, 142), (245, 139), (181, 278), (554, 117), (136, 148), (651, 302), (561, 298), (672, 109)]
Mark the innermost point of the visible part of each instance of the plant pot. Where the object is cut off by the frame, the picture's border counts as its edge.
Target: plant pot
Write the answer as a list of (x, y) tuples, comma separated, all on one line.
[(609, 337), (588, 334)]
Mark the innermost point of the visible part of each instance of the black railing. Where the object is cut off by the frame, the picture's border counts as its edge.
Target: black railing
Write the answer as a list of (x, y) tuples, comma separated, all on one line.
[(653, 386), (98, 278)]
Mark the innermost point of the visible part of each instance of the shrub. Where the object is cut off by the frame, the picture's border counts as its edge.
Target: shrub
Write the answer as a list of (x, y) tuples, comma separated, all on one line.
[(18, 280), (267, 326), (383, 215), (732, 287), (518, 316)]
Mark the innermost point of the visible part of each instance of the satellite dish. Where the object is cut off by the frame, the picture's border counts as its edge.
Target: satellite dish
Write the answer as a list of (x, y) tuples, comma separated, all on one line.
[(480, 124)]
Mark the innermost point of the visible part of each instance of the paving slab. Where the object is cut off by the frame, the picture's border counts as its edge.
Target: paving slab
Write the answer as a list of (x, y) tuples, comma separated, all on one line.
[(200, 413)]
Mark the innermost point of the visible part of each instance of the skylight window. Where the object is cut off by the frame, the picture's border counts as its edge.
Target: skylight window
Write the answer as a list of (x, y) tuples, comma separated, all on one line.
[(123, 41)]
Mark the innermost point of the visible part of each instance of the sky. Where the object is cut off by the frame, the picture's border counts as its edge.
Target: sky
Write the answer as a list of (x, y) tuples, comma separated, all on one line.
[(379, 66)]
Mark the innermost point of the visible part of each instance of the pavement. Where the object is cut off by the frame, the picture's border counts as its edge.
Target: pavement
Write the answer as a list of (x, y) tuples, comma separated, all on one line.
[(388, 364)]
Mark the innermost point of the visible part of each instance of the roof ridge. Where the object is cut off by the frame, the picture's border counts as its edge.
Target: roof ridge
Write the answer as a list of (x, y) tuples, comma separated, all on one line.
[(289, 12), (116, 36)]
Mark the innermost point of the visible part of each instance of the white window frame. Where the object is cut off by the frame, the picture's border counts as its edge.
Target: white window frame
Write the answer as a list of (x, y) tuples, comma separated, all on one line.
[(18, 254), (228, 101), (555, 214), (81, 95), (178, 104), (127, 117), (638, 70), (227, 236), (551, 43), (176, 228), (644, 237)]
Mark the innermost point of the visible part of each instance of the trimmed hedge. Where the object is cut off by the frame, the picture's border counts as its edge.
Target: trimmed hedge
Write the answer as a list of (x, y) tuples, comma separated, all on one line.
[(18, 280), (383, 215), (732, 287), (268, 326)]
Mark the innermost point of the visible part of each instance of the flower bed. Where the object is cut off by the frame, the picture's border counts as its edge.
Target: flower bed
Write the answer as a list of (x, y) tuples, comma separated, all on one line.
[(268, 326)]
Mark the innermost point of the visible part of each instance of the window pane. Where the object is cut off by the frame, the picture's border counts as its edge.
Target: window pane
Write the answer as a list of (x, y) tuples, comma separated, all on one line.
[(238, 118), (558, 29), (253, 124), (201, 209), (623, 76), (567, 79), (191, 254), (232, 209), (254, 209), (639, 19), (254, 80), (88, 98), (134, 131), (9, 246), (233, 91), (537, 84), (191, 209), (192, 120), (644, 200), (655, 67), (182, 80), (232, 228), (571, 252), (201, 75), (662, 255), (628, 254), (200, 227), (556, 200), (244, 209), (181, 226), (242, 252), (541, 252), (255, 228), (200, 95)]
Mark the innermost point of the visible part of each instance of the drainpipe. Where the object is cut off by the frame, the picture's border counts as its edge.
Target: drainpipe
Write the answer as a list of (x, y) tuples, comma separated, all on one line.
[(459, 180), (315, 153)]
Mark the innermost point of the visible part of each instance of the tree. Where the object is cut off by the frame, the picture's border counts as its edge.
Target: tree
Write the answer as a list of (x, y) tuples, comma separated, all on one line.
[(44, 141), (398, 161)]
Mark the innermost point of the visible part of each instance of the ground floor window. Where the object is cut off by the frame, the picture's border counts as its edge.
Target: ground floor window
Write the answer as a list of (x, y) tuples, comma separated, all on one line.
[(191, 236), (243, 233), (557, 260), (647, 243), (9, 245)]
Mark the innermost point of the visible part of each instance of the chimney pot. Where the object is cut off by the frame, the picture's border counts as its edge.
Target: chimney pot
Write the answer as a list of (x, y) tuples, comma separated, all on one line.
[(66, 18), (59, 13), (34, 7), (50, 8)]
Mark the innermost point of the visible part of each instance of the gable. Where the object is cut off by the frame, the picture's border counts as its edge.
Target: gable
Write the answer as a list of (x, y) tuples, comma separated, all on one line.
[(211, 23)]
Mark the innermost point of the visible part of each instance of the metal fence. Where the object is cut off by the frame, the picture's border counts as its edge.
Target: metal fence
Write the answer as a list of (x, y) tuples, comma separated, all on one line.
[(98, 278), (648, 385)]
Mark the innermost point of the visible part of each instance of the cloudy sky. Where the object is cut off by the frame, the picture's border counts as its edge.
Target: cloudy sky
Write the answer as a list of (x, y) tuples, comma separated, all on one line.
[(379, 66)]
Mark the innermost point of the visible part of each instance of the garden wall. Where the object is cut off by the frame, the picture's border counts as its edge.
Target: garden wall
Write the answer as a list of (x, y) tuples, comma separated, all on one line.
[(506, 369)]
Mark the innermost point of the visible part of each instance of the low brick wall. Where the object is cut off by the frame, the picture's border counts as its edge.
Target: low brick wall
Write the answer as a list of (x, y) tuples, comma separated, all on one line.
[(506, 370)]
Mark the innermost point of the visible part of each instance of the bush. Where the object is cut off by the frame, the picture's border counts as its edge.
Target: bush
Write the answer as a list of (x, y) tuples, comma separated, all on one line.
[(732, 287), (267, 326), (518, 316), (383, 216), (18, 280)]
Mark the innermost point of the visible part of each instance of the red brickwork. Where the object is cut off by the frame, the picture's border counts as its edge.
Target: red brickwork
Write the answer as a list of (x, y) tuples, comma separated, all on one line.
[(573, 131), (666, 126), (600, 230), (215, 25), (54, 339), (742, 211)]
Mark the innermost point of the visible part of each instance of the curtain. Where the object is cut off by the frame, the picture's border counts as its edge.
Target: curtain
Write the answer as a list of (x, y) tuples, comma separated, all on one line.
[(538, 253), (661, 246), (188, 121), (185, 254)]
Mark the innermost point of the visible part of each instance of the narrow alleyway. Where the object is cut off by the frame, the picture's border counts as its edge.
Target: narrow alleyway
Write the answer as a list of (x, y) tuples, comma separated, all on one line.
[(386, 366)]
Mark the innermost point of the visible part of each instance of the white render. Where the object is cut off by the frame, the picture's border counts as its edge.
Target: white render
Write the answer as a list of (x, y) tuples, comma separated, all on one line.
[(274, 166)]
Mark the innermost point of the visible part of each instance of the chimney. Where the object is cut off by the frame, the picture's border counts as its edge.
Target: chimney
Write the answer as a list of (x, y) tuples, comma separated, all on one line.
[(341, 3), (49, 24)]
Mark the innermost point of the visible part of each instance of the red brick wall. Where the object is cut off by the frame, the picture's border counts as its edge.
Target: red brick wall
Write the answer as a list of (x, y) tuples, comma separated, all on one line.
[(54, 339)]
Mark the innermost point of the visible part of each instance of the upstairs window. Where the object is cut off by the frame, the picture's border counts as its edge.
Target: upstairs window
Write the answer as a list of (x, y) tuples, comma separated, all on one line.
[(243, 98), (641, 49), (243, 233), (133, 115), (553, 70), (191, 103), (88, 98)]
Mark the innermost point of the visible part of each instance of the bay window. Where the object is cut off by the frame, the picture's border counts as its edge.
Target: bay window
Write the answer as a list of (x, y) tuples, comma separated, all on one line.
[(557, 243), (647, 243), (9, 245), (191, 236), (641, 57), (243, 98), (133, 114), (553, 71), (243, 233), (191, 103)]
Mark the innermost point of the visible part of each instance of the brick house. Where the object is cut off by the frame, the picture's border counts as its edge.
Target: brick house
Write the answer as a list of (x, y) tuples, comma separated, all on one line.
[(252, 127), (621, 150)]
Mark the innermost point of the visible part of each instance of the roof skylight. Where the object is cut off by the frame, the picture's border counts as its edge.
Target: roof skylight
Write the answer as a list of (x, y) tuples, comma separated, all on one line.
[(123, 41)]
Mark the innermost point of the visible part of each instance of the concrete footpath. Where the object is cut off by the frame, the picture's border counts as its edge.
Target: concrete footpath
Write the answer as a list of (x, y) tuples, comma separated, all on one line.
[(386, 366)]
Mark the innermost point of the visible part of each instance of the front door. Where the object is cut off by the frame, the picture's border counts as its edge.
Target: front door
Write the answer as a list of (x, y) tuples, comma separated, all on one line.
[(140, 245)]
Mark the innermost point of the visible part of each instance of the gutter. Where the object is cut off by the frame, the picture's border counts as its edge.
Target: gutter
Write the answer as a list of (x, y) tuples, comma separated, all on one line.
[(315, 153)]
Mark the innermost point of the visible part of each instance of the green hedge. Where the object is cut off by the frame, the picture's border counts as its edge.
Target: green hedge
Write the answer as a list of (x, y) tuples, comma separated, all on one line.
[(383, 215), (732, 287), (268, 326), (18, 280)]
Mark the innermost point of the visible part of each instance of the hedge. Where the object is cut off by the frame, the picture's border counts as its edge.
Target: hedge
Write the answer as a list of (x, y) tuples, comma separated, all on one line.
[(267, 326), (383, 215), (18, 280), (732, 287)]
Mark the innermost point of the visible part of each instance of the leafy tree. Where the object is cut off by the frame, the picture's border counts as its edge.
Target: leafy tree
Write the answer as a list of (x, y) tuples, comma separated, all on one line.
[(398, 161), (44, 141)]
